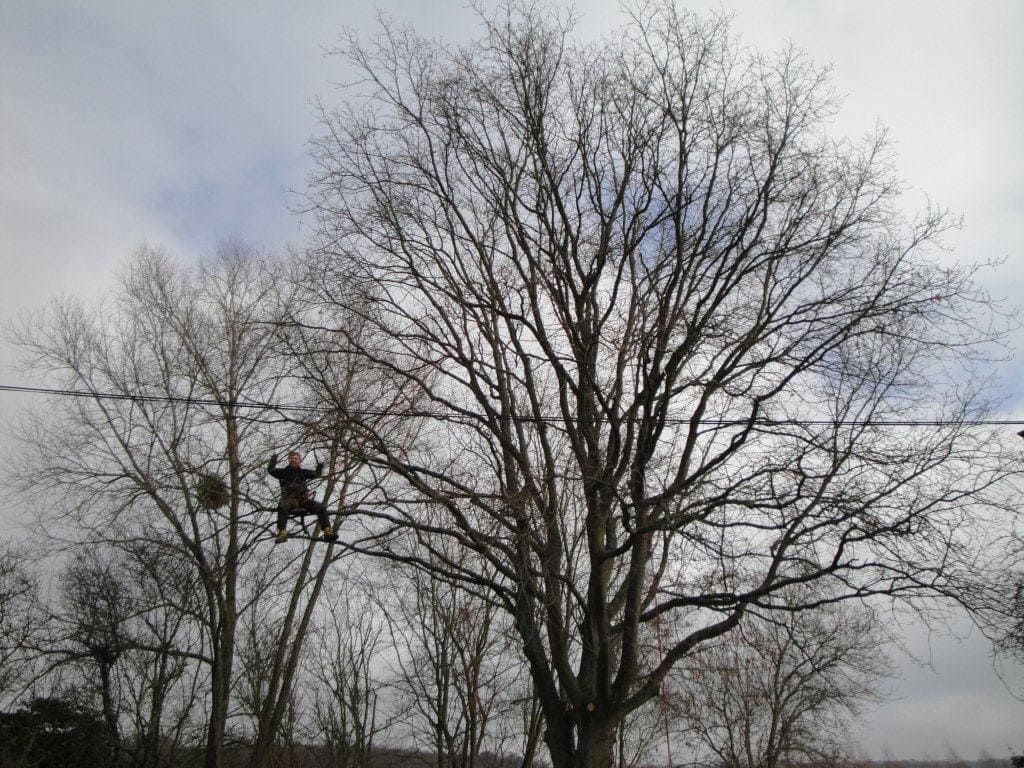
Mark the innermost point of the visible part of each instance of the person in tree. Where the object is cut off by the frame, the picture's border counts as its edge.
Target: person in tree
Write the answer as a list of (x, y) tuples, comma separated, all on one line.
[(296, 500)]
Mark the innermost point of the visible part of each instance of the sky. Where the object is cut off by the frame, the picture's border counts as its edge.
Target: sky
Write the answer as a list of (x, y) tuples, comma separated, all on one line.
[(184, 123)]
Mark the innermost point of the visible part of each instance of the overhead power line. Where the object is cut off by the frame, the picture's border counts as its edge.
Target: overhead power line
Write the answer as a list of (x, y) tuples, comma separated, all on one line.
[(300, 408), (143, 398)]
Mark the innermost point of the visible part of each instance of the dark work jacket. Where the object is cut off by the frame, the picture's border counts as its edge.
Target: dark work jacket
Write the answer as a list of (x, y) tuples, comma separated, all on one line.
[(293, 479)]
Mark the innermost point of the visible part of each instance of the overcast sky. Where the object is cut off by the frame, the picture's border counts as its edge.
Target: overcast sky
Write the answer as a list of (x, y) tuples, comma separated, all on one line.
[(183, 123)]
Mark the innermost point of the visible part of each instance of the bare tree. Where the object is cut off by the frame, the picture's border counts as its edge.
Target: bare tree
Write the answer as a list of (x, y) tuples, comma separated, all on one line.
[(516, 724), (166, 448), (450, 656), (345, 668), (122, 621), (21, 621), (783, 691), (1011, 631), (162, 670), (329, 378), (1002, 619), (96, 607), (170, 453), (647, 736), (659, 332)]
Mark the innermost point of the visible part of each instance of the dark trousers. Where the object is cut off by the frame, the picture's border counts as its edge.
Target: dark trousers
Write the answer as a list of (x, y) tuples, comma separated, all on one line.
[(300, 508)]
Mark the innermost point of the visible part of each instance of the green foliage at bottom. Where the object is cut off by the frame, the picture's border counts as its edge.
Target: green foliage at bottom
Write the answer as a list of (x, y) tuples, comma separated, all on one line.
[(55, 733)]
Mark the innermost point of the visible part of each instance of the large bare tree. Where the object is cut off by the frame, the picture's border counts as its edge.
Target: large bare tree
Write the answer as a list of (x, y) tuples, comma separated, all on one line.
[(328, 378), (165, 452), (659, 330)]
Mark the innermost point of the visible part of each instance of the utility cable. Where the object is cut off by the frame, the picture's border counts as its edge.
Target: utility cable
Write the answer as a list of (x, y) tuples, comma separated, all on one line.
[(370, 412)]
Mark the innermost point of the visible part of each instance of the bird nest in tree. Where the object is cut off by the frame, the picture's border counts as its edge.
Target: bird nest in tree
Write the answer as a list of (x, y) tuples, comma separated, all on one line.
[(212, 492)]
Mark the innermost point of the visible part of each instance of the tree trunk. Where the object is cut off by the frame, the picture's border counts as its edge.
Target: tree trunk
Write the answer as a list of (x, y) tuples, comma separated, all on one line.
[(109, 710), (279, 687), (592, 747), (289, 646), (224, 639), (220, 688), (595, 747)]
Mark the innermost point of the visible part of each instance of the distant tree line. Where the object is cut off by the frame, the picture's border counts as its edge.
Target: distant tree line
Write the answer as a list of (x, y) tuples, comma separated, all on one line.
[(392, 657)]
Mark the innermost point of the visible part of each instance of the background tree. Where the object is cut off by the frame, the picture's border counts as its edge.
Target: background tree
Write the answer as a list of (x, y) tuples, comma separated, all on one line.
[(22, 620), (450, 656), (657, 329), (96, 607), (783, 691), (175, 354), (326, 378), (162, 671), (118, 633), (122, 632), (350, 710), (167, 464), (57, 731), (1002, 619)]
